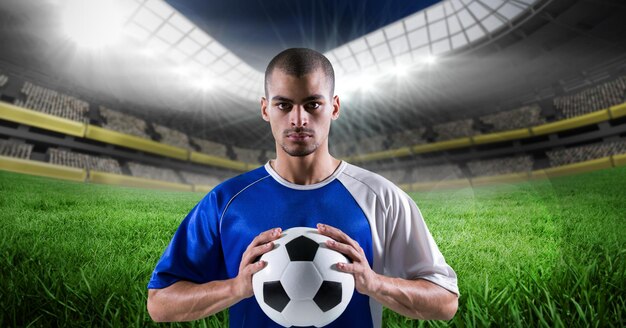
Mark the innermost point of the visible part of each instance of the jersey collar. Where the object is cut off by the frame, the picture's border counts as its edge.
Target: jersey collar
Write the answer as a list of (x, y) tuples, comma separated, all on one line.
[(291, 185)]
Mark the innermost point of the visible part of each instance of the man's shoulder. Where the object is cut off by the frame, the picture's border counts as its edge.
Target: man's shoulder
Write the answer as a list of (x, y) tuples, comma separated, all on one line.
[(373, 181), (235, 185)]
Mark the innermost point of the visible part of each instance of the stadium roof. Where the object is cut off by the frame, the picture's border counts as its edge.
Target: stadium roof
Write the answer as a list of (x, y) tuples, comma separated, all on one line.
[(234, 41), (491, 55)]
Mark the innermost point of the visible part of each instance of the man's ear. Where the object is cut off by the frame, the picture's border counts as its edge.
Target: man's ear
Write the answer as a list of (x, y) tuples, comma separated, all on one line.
[(264, 113), (336, 106)]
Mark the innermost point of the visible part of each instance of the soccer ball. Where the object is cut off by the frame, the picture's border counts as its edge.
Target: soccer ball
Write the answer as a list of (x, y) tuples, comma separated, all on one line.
[(300, 286)]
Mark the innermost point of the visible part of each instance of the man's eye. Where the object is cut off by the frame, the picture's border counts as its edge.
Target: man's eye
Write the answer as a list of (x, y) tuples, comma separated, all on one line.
[(313, 105), (283, 106)]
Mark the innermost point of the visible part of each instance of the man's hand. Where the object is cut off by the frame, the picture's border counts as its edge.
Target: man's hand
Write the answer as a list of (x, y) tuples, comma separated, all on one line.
[(417, 299), (261, 244), (365, 279)]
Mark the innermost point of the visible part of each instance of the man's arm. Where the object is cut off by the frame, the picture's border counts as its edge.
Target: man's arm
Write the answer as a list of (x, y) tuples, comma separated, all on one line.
[(186, 301), (417, 299)]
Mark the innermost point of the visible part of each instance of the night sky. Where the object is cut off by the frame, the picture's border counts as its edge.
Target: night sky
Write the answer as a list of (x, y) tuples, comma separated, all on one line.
[(256, 30)]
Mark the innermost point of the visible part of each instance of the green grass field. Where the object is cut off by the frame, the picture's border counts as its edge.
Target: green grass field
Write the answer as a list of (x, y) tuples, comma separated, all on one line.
[(546, 253)]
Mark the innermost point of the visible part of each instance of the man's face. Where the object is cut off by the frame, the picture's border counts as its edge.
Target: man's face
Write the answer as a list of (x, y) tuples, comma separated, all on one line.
[(299, 111)]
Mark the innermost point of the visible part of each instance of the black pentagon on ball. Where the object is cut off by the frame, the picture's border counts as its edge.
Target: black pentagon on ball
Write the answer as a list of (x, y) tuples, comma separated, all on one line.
[(302, 249), (328, 296), (274, 295)]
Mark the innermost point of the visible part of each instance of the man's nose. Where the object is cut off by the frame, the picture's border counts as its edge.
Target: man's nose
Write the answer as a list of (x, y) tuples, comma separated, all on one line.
[(299, 116)]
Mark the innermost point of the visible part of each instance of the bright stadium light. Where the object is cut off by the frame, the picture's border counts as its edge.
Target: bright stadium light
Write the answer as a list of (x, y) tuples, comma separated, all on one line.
[(366, 82), (430, 60), (400, 70), (204, 83), (92, 23)]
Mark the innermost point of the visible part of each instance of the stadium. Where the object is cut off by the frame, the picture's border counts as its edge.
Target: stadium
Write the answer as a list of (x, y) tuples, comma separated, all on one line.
[(504, 120)]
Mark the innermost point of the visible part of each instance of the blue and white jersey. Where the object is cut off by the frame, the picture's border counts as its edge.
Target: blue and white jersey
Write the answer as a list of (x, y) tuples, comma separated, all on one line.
[(386, 223)]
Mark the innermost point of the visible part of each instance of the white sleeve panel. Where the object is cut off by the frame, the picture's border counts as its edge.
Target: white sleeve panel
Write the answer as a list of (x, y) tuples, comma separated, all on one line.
[(402, 245), (415, 253)]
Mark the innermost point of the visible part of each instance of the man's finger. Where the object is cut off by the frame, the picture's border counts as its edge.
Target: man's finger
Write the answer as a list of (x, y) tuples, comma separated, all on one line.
[(256, 267), (344, 249), (265, 236), (256, 252), (336, 234), (346, 267)]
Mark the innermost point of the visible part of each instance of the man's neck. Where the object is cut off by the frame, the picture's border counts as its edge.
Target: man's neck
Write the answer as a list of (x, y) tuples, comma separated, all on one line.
[(305, 170)]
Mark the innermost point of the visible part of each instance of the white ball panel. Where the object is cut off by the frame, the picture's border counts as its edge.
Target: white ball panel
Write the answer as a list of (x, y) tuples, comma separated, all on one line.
[(301, 280), (326, 260), (304, 313)]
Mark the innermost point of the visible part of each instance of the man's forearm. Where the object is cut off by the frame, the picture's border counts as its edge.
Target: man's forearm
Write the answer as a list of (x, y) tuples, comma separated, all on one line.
[(417, 299), (186, 301)]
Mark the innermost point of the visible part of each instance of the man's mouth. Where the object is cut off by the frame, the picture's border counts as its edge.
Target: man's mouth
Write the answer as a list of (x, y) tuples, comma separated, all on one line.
[(298, 136)]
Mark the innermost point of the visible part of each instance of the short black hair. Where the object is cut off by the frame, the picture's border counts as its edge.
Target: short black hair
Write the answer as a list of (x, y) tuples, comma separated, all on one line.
[(299, 62)]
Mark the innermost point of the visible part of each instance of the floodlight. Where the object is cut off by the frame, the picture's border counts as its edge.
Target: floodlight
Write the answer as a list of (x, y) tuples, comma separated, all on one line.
[(400, 70), (430, 60), (92, 23)]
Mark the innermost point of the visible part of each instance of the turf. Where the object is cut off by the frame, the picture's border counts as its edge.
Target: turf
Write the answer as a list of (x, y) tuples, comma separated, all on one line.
[(542, 253)]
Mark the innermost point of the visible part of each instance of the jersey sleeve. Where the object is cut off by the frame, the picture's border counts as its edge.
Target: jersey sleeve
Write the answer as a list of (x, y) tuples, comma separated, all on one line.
[(195, 252), (412, 251)]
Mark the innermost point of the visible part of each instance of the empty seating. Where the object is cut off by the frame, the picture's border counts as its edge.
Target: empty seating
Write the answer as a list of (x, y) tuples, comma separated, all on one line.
[(51, 102), (15, 149), (408, 138), (124, 123), (397, 176), (172, 137), (371, 144), (342, 149), (593, 99), (152, 172), (200, 179), (497, 166), (455, 129), (83, 161), (523, 117), (435, 173), (210, 147), (586, 152), (247, 155)]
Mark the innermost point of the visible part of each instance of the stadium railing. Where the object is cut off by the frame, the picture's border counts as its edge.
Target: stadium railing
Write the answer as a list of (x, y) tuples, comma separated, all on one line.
[(553, 127), (553, 172), (126, 140), (53, 123), (42, 169), (131, 181), (40, 120)]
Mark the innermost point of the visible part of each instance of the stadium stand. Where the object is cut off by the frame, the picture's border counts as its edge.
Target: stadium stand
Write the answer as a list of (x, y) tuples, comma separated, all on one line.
[(372, 144), (586, 152), (343, 149), (435, 173), (3, 80), (408, 138), (152, 172), (210, 147), (51, 102), (593, 99), (455, 129), (196, 178), (84, 161), (124, 123), (395, 176), (247, 155), (15, 149), (505, 165), (172, 137), (519, 118)]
